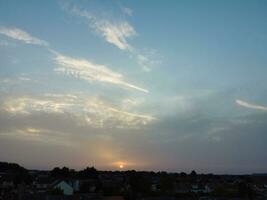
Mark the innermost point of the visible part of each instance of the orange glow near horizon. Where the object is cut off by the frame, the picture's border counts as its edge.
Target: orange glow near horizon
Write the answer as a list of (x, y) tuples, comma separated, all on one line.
[(122, 165)]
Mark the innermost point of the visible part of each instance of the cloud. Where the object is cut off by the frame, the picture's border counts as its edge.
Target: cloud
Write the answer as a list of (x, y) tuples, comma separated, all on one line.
[(107, 115), (46, 103), (115, 33), (147, 59), (32, 130), (18, 34), (118, 33), (89, 71), (127, 11), (15, 79), (128, 103), (4, 43), (91, 111), (249, 105), (37, 135), (143, 61)]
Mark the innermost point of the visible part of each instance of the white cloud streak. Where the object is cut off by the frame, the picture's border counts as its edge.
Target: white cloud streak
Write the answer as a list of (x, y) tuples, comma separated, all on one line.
[(48, 104), (118, 33), (147, 59), (127, 11), (87, 110), (18, 34), (39, 135), (114, 33), (109, 115), (89, 71), (249, 105)]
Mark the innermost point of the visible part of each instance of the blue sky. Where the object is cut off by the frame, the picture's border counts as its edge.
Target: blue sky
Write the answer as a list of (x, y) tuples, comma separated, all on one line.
[(152, 85)]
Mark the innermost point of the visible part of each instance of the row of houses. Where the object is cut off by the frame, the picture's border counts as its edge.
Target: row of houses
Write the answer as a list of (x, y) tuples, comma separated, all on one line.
[(110, 183)]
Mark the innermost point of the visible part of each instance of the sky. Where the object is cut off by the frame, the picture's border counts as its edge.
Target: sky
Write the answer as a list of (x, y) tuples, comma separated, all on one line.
[(150, 85)]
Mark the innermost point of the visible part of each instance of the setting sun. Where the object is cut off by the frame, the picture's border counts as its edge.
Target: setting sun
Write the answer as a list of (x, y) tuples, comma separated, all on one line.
[(121, 166)]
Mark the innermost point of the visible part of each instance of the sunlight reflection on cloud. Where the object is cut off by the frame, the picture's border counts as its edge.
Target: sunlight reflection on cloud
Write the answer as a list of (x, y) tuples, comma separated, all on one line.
[(89, 110)]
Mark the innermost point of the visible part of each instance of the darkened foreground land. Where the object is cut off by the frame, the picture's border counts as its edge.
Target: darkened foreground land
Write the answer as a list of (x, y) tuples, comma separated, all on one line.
[(19, 183)]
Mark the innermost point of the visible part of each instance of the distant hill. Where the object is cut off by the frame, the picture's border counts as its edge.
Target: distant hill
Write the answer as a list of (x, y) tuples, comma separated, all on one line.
[(19, 174), (11, 168), (260, 174)]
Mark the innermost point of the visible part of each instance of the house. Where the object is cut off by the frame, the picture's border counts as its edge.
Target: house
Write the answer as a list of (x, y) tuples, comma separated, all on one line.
[(75, 184), (200, 188), (74, 197), (113, 198), (64, 186), (155, 184), (6, 181), (88, 185), (155, 187), (42, 183), (182, 187), (159, 198)]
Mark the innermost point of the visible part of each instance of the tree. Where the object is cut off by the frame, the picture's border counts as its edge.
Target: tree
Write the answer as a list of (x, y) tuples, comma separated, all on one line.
[(166, 183), (140, 183), (20, 174), (87, 173), (245, 190), (183, 174), (64, 172), (193, 173)]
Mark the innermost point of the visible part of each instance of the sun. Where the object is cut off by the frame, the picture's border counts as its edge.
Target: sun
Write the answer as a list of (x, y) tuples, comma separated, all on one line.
[(121, 166)]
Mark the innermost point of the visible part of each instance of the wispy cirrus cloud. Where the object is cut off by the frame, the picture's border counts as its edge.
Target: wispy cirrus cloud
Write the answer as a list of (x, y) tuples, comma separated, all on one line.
[(115, 33), (109, 115), (31, 130), (15, 79), (37, 135), (21, 35), (249, 105), (127, 11), (47, 103), (92, 111), (89, 71), (81, 67), (147, 59), (118, 33)]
